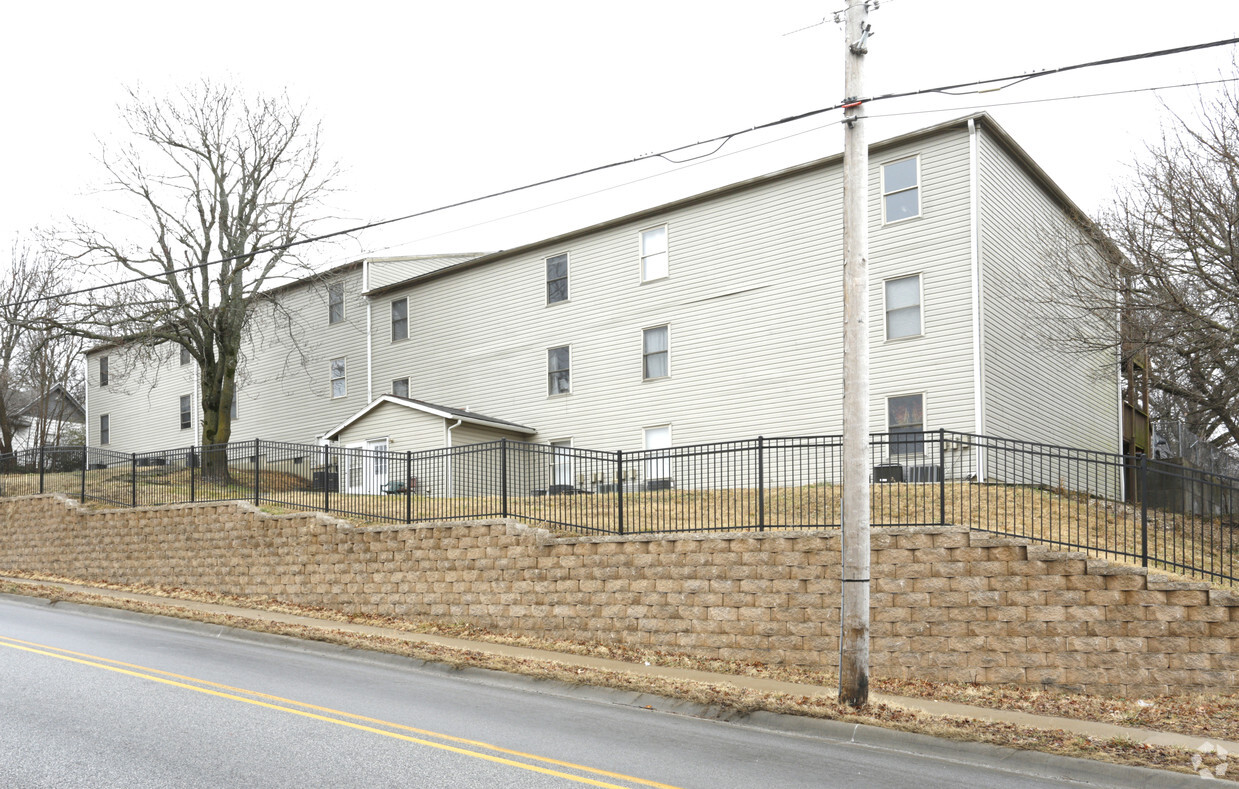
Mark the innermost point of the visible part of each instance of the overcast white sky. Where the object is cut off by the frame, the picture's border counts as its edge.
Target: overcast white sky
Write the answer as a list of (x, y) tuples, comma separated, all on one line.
[(428, 103)]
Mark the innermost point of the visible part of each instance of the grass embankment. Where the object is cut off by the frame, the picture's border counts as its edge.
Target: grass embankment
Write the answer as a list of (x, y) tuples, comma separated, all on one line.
[(1068, 520)]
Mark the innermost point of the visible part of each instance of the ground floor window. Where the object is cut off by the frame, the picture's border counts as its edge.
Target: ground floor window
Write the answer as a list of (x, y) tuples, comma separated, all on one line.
[(905, 420)]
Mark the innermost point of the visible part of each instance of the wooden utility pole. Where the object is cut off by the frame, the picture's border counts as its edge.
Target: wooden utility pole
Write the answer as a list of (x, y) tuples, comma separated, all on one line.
[(854, 618)]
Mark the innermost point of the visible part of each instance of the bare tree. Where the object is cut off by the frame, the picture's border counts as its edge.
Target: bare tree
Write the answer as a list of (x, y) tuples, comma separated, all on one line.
[(1171, 287), (211, 188), (32, 361)]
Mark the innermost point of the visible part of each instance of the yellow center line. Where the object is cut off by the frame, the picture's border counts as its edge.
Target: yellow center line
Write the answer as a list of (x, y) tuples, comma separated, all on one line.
[(142, 672)]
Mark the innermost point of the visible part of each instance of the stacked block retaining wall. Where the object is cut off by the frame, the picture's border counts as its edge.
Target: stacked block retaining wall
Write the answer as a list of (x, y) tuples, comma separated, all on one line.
[(947, 604)]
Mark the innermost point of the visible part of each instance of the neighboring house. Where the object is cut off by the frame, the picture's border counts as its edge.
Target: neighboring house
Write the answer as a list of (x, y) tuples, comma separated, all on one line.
[(55, 419), (714, 317)]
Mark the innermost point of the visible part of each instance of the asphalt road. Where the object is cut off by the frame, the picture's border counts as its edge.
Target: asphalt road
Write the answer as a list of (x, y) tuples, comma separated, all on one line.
[(97, 701)]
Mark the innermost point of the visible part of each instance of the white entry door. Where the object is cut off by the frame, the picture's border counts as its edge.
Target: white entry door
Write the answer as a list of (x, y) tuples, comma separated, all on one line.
[(561, 468), (368, 466)]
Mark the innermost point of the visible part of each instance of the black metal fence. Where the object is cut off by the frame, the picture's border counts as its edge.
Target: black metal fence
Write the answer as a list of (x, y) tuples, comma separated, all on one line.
[(1161, 513)]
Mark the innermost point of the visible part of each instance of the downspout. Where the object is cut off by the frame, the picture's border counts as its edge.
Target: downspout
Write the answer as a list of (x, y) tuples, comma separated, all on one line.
[(86, 403), (974, 254), (198, 400), (365, 288), (1118, 365), (447, 439)]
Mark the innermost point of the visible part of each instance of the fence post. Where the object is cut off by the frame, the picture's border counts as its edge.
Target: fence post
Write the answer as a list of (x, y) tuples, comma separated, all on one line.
[(133, 477), (1144, 511), (193, 461), (85, 462), (761, 483), (41, 465), (326, 478), (408, 486), (619, 489), (255, 472), (503, 475), (942, 476)]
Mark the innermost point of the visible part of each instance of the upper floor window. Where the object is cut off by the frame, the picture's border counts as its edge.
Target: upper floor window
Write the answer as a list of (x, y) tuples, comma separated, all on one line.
[(903, 307), (186, 358), (105, 429), (654, 253), (400, 387), (901, 189), (234, 411), (655, 353), (400, 319), (103, 371), (558, 370), (187, 418), (557, 278), (335, 302), (339, 387)]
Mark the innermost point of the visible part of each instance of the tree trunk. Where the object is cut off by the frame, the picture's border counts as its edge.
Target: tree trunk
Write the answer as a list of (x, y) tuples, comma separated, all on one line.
[(218, 389)]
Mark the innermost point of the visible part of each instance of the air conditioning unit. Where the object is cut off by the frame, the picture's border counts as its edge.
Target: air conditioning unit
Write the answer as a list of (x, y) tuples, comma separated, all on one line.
[(889, 472), (923, 473)]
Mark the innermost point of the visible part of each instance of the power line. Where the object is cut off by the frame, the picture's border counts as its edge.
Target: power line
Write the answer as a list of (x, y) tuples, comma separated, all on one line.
[(1018, 78), (722, 139), (695, 161), (1057, 98), (685, 164)]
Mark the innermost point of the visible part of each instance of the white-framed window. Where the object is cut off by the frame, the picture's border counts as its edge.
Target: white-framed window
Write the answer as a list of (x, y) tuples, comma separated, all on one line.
[(658, 465), (103, 371), (902, 303), (400, 319), (187, 416), (105, 429), (186, 358), (655, 353), (339, 384), (901, 189), (559, 370), (335, 302), (557, 278), (400, 387), (234, 410), (905, 421), (654, 253), (561, 462)]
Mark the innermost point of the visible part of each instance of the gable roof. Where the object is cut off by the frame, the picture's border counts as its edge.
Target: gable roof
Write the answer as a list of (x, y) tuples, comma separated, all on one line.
[(76, 413), (981, 119), (443, 411), (414, 266)]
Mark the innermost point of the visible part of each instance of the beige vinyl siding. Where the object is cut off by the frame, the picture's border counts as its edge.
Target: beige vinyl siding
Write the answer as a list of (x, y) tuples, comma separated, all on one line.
[(466, 433), (389, 270), (407, 429), (142, 399), (753, 302), (1034, 389), (284, 384), (936, 245)]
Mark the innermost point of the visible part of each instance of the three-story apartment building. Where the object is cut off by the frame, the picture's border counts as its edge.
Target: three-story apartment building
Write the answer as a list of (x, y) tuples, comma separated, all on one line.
[(713, 317)]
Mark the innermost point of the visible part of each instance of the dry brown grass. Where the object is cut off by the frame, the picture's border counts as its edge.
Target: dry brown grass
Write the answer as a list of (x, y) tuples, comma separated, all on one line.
[(1216, 717), (1062, 519)]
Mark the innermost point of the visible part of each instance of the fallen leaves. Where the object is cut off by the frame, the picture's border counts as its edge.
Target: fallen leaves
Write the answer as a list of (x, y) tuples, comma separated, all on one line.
[(1216, 717)]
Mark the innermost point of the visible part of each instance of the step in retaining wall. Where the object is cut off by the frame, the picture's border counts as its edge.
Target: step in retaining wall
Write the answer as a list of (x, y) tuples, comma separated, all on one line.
[(947, 604)]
